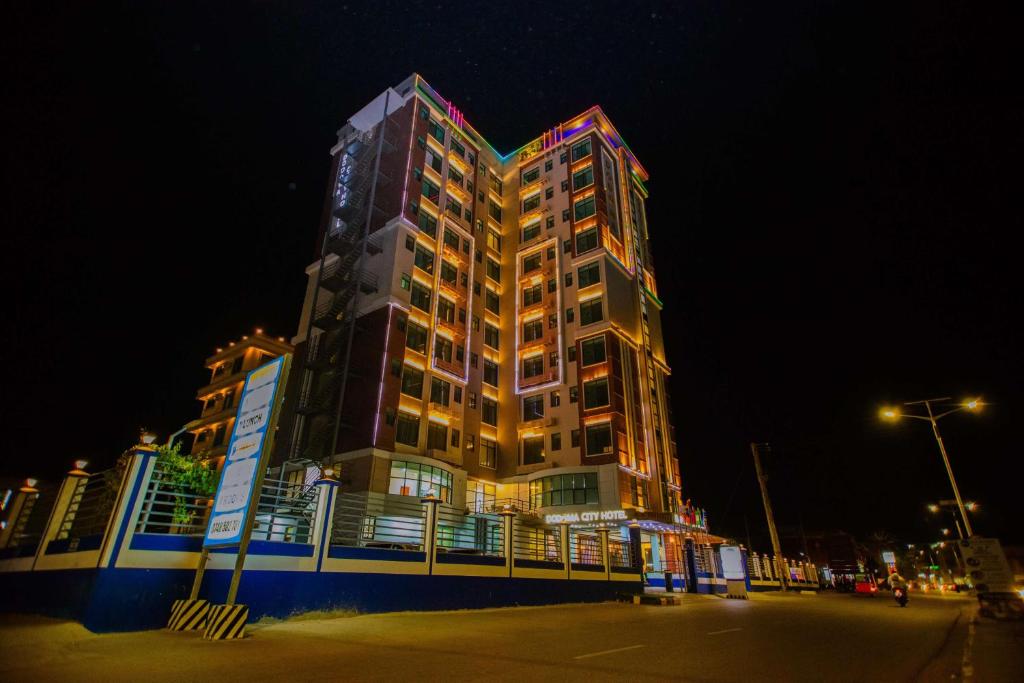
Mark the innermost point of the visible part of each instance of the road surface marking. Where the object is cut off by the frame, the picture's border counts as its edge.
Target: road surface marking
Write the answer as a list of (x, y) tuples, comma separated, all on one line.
[(966, 665), (728, 630), (607, 652)]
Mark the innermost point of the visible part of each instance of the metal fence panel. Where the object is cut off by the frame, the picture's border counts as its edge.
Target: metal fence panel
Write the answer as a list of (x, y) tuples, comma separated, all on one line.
[(471, 534), (374, 520), (91, 505), (285, 512), (537, 543)]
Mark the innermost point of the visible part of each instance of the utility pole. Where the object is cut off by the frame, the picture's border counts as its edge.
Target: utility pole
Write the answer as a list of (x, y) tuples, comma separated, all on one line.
[(780, 567)]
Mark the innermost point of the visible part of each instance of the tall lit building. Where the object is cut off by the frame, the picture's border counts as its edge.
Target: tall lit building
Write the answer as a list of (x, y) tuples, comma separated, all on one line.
[(219, 397), (484, 326)]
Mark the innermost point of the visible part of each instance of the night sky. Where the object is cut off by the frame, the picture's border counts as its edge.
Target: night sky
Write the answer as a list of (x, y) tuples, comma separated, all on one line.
[(833, 190)]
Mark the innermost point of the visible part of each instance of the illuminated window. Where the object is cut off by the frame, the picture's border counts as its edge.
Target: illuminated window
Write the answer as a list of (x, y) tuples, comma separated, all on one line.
[(488, 453), (451, 239), (533, 450), (593, 350), (583, 178), (428, 224), (531, 231), (431, 191), (480, 496), (494, 241), (590, 312), (407, 430), (420, 297), (491, 301), (531, 203), (533, 366), (455, 176), (589, 274), (599, 438), (445, 310), (586, 240), (489, 412), (533, 330), (581, 149), (412, 382), (556, 399), (416, 337), (437, 436), (493, 270), (595, 393), (454, 206), (443, 349), (531, 296), (533, 407), (432, 160), (490, 335), (449, 273), (416, 479), (458, 148), (436, 131), (531, 263), (579, 488), (494, 182), (440, 391), (423, 259), (584, 208), (490, 373)]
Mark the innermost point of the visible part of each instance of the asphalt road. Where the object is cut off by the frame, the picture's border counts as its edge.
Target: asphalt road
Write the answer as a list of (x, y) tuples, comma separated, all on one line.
[(770, 637)]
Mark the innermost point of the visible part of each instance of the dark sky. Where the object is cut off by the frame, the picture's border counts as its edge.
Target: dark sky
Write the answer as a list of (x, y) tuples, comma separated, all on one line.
[(833, 191)]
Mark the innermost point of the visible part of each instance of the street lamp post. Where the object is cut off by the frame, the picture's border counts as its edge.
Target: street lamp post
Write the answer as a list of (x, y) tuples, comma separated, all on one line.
[(933, 419)]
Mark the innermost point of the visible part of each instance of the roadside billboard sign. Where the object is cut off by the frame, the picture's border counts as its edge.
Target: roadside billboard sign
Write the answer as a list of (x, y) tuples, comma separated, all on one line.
[(986, 565), (246, 455)]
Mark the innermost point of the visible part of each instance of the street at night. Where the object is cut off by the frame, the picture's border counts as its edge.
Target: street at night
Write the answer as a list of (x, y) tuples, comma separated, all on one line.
[(768, 637)]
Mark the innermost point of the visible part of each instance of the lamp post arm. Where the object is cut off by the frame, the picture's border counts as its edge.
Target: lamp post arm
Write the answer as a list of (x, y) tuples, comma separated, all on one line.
[(949, 470)]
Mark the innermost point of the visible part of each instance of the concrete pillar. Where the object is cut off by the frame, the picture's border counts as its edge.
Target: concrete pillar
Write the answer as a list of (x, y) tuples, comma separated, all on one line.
[(508, 523), (323, 522), (605, 554), (68, 488), (430, 530), (130, 495), (566, 555), (17, 505)]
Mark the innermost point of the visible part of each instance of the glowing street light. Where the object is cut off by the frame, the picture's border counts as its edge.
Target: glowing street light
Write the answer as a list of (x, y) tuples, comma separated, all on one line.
[(972, 404)]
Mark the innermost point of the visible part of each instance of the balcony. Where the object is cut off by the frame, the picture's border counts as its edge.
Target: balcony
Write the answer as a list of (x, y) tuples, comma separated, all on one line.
[(453, 289), (549, 375)]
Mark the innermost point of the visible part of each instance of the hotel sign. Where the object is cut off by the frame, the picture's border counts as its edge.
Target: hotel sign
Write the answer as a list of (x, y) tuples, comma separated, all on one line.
[(589, 517)]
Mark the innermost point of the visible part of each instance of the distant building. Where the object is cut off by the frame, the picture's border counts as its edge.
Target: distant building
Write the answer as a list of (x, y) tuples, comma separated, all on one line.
[(218, 397)]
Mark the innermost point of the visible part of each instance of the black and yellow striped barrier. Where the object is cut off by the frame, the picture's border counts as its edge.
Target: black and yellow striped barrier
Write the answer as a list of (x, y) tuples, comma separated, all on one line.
[(226, 622), (188, 615)]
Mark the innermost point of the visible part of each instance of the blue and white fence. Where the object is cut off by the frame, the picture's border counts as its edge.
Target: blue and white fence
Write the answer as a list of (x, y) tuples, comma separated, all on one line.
[(115, 549)]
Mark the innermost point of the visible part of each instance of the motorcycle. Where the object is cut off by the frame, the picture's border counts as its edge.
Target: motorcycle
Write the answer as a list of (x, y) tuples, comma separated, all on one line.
[(900, 594)]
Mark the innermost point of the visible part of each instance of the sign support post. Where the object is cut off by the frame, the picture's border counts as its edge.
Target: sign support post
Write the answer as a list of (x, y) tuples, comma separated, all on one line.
[(236, 501)]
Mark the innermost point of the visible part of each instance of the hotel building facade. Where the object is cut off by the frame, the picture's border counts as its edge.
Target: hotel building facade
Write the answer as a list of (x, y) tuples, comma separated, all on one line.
[(486, 328)]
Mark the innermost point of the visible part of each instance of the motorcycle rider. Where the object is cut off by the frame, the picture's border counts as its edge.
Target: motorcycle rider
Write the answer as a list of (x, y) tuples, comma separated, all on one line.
[(896, 581)]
